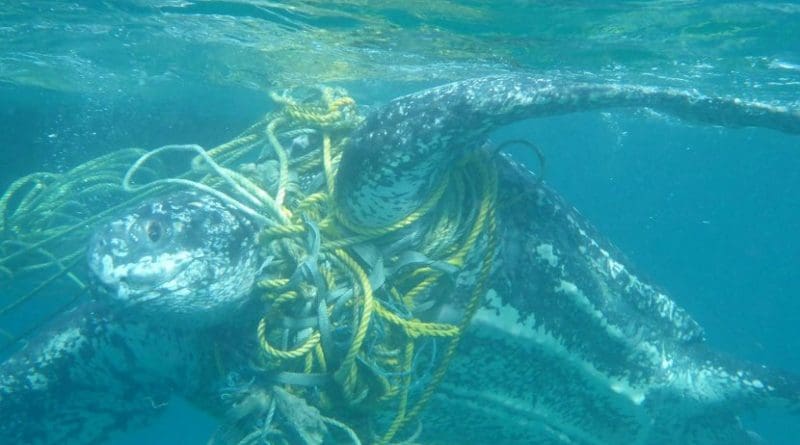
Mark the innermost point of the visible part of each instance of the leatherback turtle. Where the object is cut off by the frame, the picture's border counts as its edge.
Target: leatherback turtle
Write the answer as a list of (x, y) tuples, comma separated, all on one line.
[(569, 346)]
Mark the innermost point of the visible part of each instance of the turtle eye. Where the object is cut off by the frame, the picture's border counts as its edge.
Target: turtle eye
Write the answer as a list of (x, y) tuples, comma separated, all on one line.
[(154, 231)]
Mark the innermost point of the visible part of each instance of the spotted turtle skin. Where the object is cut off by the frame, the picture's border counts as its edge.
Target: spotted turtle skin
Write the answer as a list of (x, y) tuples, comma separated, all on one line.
[(570, 345), (187, 257)]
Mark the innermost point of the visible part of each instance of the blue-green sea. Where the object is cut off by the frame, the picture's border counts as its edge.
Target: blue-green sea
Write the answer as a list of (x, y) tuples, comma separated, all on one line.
[(710, 214)]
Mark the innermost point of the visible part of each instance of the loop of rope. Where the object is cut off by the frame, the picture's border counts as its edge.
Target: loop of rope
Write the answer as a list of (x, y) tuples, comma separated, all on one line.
[(330, 307)]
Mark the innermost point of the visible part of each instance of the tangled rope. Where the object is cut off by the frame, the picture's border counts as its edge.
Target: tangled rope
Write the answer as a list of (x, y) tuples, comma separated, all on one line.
[(337, 287), (347, 310)]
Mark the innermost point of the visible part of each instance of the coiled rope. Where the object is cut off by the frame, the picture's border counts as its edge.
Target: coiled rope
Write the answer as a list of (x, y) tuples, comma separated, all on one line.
[(344, 321)]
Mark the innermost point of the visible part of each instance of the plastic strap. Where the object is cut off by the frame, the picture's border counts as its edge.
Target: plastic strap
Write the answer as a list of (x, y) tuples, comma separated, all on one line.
[(301, 378)]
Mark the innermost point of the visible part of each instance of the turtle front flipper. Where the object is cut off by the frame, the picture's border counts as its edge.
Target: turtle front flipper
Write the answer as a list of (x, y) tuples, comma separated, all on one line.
[(400, 153), (91, 374)]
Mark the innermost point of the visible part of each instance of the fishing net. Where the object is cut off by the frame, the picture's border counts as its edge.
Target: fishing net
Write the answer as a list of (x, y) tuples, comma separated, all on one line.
[(342, 348)]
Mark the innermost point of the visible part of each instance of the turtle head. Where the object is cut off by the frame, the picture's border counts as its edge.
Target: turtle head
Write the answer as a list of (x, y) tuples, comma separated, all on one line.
[(184, 255)]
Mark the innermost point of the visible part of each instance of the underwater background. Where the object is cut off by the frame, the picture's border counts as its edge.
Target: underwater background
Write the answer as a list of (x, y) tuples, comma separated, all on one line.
[(712, 215)]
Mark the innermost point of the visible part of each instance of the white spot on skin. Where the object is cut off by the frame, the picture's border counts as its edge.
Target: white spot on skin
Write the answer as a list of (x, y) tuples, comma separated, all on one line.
[(545, 252), (37, 381), (67, 342), (614, 267), (666, 362), (118, 247), (146, 269)]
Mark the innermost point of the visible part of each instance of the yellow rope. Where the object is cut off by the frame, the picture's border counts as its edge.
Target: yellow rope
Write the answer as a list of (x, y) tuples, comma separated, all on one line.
[(283, 161), (311, 200), (400, 417), (348, 371), (328, 162), (421, 281), (376, 232), (284, 297), (377, 367), (320, 356), (486, 217), (310, 343), (285, 230), (433, 277), (273, 283), (415, 328)]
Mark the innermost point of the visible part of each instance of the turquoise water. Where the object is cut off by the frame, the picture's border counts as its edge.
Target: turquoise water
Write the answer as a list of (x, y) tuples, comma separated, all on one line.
[(709, 214)]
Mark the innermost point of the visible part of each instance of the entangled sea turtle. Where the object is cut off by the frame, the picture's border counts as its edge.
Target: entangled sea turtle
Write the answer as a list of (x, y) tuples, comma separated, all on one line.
[(563, 344)]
